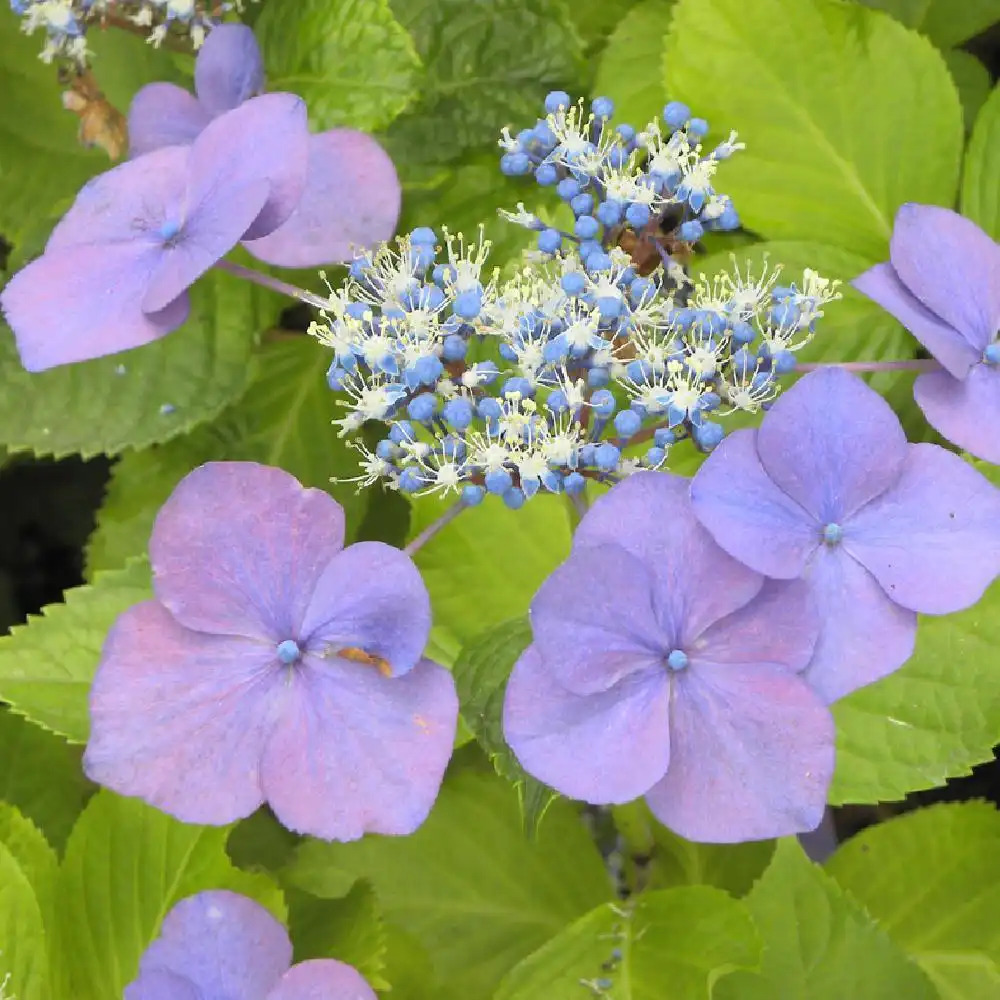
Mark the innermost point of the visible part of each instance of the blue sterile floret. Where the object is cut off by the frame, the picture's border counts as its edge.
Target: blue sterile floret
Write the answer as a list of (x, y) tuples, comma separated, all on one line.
[(585, 363)]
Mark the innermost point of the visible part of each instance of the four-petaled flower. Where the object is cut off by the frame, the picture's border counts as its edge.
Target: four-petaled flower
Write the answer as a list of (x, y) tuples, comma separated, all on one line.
[(352, 195), (942, 282), (663, 667), (829, 489), (274, 665), (219, 945)]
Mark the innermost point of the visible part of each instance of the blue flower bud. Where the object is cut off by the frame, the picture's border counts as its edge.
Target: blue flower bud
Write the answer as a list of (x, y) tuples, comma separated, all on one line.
[(568, 188), (557, 401), (555, 100), (428, 369), (454, 347), (486, 372), (675, 114), (626, 133), (489, 408), (549, 241), (638, 370), (691, 231), (655, 457), (335, 376), (607, 456), (498, 482), (518, 383), (743, 333), (514, 164), (603, 107), (697, 128), (599, 262), (663, 437), (385, 450), (783, 362), (573, 283), (402, 431), (458, 413), (423, 235), (582, 204), (588, 248), (556, 349), (603, 403), (468, 304), (637, 215), (422, 408), (610, 212), (514, 498), (552, 481), (472, 495), (574, 483), (627, 423), (409, 480), (598, 376), (546, 174), (586, 455), (707, 435), (586, 227)]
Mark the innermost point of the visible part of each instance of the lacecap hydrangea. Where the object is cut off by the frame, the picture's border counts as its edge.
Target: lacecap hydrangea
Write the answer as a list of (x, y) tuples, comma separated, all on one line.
[(592, 358)]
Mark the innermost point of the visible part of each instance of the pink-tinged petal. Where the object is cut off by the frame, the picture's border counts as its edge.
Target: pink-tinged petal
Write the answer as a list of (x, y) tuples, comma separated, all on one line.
[(967, 413), (933, 540), (863, 635), (748, 515), (351, 200), (832, 444), (226, 944), (779, 626), (129, 203), (238, 549), (322, 979), (265, 138), (751, 755), (229, 69), (82, 302), (594, 622), (612, 746), (882, 285), (952, 266), (159, 985), (163, 114), (695, 582), (355, 752), (179, 718), (370, 597), (210, 230)]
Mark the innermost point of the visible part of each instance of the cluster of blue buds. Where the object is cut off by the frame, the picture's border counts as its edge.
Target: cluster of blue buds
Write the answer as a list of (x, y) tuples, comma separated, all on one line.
[(65, 22), (584, 364)]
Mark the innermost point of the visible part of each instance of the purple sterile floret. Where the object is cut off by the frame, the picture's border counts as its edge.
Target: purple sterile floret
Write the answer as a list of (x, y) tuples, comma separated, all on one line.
[(274, 665), (352, 196), (662, 667), (219, 945), (828, 489), (943, 284), (116, 268)]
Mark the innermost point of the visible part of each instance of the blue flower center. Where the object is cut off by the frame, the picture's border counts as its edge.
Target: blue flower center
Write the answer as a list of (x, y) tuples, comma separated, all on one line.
[(677, 660), (169, 229), (288, 651), (992, 354), (832, 533)]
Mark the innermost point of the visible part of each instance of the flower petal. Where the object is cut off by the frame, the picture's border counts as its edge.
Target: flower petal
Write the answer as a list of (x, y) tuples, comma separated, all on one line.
[(355, 752), (933, 540), (322, 979), (967, 413), (695, 582), (163, 114), (159, 985), (882, 285), (832, 443), (224, 943), (351, 200), (863, 637), (265, 138), (179, 718), (229, 69), (127, 204), (209, 232), (593, 620), (82, 302), (746, 512), (751, 755), (952, 266), (238, 549), (611, 746), (370, 597), (779, 626)]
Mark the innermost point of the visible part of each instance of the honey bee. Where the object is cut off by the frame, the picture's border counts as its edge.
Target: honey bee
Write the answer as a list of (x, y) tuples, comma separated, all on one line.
[(101, 124), (659, 234)]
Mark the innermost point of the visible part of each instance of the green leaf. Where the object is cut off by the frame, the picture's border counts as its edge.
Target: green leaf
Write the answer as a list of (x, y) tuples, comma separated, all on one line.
[(40, 775), (126, 866), (46, 666), (23, 944), (489, 63), (628, 71), (146, 395), (980, 196), (947, 917), (485, 566), (472, 890), (945, 22), (350, 60), (689, 938), (481, 672), (348, 929), (796, 80), (933, 719), (595, 20), (818, 942), (972, 79)]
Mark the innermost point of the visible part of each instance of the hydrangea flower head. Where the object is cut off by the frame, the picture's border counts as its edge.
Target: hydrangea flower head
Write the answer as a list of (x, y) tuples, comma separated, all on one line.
[(829, 489), (663, 667), (352, 195), (116, 269), (219, 945), (274, 665), (942, 283)]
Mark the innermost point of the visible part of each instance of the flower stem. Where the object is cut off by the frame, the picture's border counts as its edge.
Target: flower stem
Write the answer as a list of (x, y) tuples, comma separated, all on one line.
[(914, 365), (274, 284), (435, 526)]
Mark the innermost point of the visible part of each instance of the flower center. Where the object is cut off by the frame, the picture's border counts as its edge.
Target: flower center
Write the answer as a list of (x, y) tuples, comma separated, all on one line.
[(992, 354), (169, 230), (289, 651), (832, 533), (677, 660)]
